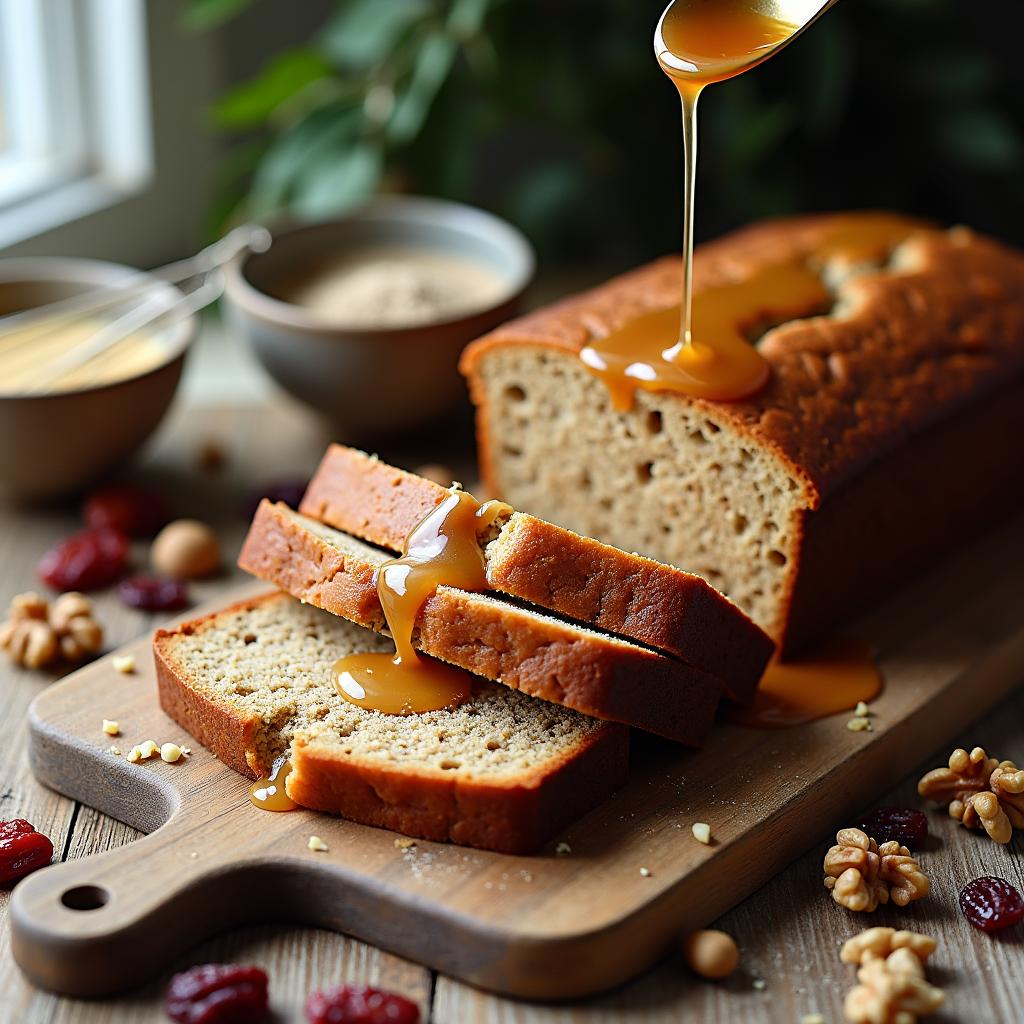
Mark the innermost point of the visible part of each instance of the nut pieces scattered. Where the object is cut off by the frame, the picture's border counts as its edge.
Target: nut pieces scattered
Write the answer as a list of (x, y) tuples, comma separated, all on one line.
[(981, 791), (891, 991), (171, 753), (862, 875), (37, 633)]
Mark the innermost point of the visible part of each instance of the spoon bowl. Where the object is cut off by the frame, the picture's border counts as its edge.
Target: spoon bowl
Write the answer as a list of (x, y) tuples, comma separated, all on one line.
[(704, 41)]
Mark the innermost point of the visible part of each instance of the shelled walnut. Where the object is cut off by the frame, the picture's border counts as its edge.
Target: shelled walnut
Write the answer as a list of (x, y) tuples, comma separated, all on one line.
[(37, 634), (981, 792), (892, 990), (878, 943), (862, 875)]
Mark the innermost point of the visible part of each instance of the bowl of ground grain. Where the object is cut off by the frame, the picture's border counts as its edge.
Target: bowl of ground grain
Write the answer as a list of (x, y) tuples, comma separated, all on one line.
[(364, 317)]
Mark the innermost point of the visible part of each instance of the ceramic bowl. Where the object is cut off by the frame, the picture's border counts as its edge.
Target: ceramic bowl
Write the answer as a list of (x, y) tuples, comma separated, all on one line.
[(373, 381), (56, 444)]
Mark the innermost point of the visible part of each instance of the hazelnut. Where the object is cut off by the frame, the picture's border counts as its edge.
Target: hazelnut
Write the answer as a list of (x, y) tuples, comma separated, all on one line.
[(186, 549), (711, 954)]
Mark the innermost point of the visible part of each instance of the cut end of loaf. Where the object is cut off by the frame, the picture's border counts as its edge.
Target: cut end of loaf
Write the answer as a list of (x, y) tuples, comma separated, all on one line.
[(660, 479)]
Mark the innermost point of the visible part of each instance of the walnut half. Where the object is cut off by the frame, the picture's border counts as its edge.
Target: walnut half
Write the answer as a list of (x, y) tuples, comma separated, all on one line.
[(863, 875), (981, 792), (891, 991)]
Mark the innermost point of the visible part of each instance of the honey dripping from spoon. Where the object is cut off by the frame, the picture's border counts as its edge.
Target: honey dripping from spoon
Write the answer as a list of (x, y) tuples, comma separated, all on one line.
[(702, 350), (444, 549)]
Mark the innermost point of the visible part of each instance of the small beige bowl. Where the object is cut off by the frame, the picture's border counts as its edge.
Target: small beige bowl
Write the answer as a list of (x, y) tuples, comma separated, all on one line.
[(55, 445), (373, 381)]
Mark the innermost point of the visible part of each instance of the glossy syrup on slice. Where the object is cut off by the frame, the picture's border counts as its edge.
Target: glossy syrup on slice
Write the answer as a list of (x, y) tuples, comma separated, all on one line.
[(269, 793), (444, 549), (830, 678)]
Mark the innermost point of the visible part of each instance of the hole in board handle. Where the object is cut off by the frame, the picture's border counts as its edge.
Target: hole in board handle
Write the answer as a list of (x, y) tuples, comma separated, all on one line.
[(85, 897)]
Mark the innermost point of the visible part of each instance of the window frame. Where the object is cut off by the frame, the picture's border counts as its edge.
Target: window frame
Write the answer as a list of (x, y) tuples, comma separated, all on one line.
[(77, 106)]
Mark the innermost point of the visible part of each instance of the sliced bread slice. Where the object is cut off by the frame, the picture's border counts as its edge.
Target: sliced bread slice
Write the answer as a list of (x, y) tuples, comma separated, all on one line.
[(541, 655), (575, 576), (502, 772)]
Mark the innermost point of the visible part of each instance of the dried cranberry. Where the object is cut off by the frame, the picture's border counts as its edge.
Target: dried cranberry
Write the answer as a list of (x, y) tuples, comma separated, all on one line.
[(288, 491), (903, 825), (217, 994), (22, 850), (129, 509), (991, 903), (85, 561), (359, 1004), (153, 594)]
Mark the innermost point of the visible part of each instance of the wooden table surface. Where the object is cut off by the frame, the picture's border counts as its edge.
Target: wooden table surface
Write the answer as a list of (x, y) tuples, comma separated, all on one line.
[(789, 931)]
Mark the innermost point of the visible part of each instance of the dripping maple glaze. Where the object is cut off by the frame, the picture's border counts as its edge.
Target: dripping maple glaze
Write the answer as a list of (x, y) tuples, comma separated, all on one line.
[(445, 548), (721, 363), (831, 678), (269, 793), (700, 348)]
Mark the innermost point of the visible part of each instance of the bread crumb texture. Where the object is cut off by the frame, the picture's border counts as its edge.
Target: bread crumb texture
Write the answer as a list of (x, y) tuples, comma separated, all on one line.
[(272, 659), (662, 463)]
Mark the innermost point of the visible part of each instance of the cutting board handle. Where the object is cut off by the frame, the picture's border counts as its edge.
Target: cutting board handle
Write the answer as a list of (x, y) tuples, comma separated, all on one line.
[(84, 927)]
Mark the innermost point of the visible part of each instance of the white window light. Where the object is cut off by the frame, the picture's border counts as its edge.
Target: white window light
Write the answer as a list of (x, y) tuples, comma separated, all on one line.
[(75, 132)]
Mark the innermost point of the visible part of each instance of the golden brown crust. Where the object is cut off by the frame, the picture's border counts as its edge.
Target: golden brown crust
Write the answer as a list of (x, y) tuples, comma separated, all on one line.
[(507, 818), (912, 347), (544, 657), (357, 493), (577, 577), (636, 597), (513, 818), (220, 729), (901, 539)]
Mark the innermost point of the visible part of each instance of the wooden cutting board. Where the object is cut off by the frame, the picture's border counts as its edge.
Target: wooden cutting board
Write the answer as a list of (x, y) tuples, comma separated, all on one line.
[(546, 927)]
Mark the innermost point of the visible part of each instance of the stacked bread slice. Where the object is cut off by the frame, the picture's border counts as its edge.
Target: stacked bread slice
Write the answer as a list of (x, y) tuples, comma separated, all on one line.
[(575, 639)]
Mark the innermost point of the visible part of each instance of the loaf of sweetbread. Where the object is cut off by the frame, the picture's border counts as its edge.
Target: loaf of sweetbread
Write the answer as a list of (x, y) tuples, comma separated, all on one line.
[(890, 428)]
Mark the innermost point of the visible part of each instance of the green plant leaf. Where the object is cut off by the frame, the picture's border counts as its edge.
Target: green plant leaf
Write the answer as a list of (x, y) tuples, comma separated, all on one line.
[(201, 15), (283, 78), (338, 180), (326, 129), (466, 18), (980, 138), (364, 32), (433, 64)]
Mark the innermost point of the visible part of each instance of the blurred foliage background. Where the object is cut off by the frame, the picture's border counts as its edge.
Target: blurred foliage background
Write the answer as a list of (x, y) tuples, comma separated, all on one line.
[(555, 115)]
